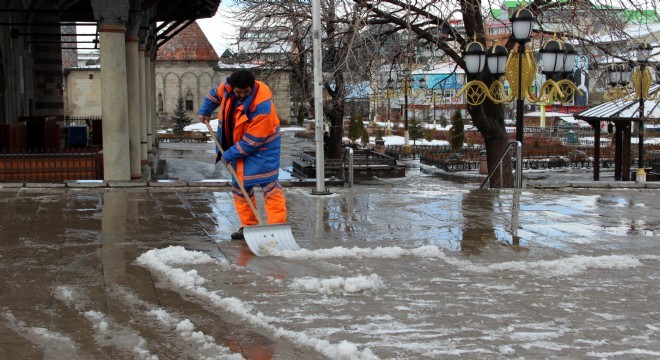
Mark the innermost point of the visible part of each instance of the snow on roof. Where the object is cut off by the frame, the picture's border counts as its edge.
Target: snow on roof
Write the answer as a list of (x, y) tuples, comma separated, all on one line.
[(635, 31), (623, 109), (547, 114), (440, 68)]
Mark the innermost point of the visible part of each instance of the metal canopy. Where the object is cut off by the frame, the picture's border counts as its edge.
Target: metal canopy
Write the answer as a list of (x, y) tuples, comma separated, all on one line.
[(174, 16), (622, 110)]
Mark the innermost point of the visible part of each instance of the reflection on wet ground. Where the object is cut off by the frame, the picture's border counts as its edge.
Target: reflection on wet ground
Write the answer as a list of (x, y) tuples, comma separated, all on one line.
[(411, 268), (453, 265)]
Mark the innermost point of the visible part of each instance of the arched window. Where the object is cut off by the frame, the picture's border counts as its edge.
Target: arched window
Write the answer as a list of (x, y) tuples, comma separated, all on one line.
[(160, 101), (189, 100)]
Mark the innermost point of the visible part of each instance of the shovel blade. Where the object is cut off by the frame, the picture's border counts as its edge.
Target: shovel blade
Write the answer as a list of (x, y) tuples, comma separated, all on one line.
[(262, 239)]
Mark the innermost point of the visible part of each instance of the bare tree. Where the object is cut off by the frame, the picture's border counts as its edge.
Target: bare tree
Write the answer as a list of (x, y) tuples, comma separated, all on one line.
[(429, 23), (348, 51), (360, 36)]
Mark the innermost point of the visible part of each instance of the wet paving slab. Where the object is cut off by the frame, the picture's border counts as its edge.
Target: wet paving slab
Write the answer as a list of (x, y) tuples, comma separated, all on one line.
[(414, 268), (410, 268)]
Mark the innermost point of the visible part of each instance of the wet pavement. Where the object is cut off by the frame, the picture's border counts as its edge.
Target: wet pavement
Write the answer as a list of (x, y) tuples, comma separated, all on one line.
[(412, 268)]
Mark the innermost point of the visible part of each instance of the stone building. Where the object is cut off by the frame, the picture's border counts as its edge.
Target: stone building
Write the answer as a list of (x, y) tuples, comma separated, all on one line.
[(82, 94), (187, 66), (37, 45)]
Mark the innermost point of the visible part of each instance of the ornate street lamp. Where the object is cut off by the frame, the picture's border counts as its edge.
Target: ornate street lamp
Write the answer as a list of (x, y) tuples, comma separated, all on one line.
[(390, 92), (422, 86), (642, 87), (518, 68), (640, 83)]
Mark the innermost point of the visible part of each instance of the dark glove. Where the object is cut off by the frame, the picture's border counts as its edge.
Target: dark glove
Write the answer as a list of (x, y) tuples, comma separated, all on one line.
[(218, 158)]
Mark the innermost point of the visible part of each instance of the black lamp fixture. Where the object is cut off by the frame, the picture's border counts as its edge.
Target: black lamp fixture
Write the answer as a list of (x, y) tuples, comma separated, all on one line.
[(522, 22), (552, 57), (475, 57), (496, 58), (644, 52), (617, 74)]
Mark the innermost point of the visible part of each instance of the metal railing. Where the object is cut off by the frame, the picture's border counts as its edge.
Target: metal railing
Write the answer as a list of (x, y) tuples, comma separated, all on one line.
[(518, 174)]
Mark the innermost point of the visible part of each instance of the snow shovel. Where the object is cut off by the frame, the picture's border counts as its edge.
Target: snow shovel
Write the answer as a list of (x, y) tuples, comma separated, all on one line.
[(262, 238)]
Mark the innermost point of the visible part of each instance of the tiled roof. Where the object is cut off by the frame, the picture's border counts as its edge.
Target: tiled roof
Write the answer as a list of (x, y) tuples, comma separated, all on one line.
[(189, 44)]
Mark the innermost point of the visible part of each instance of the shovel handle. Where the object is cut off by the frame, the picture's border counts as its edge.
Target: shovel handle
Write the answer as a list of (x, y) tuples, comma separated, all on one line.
[(233, 173)]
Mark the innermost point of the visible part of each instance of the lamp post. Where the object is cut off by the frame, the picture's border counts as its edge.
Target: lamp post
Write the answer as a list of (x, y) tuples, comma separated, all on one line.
[(422, 86), (519, 69), (432, 93), (641, 79), (406, 85), (521, 22), (390, 91), (643, 55)]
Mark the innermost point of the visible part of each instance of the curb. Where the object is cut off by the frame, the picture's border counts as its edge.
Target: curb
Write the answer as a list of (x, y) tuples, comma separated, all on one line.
[(114, 184)]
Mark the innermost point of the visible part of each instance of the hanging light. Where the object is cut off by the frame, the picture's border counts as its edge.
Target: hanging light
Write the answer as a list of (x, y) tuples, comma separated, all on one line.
[(618, 74), (496, 57), (522, 22), (644, 52), (614, 74), (475, 57), (552, 57)]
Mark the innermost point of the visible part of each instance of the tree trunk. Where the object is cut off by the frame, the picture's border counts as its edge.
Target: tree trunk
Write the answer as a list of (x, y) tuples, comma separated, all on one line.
[(489, 120), (335, 114)]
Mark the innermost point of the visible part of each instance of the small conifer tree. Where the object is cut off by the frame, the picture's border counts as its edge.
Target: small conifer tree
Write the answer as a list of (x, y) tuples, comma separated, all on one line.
[(356, 129), (415, 130), (456, 136), (180, 119)]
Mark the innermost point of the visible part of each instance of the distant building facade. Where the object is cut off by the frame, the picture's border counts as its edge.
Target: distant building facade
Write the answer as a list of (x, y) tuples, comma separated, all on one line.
[(187, 66), (82, 91)]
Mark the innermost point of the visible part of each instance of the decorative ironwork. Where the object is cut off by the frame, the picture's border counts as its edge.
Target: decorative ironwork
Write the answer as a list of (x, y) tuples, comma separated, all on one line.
[(476, 92)]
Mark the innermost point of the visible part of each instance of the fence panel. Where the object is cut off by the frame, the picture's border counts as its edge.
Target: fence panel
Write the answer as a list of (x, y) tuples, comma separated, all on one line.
[(49, 167)]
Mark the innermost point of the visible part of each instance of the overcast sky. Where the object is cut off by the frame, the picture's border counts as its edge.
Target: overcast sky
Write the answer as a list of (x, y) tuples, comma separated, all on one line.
[(221, 29)]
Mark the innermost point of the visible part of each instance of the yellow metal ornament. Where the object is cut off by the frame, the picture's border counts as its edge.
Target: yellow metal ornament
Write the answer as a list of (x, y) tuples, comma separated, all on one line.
[(476, 92), (514, 72), (642, 80)]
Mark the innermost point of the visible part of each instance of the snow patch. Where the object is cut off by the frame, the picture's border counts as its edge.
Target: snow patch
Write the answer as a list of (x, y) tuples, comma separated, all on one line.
[(161, 261), (338, 285)]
